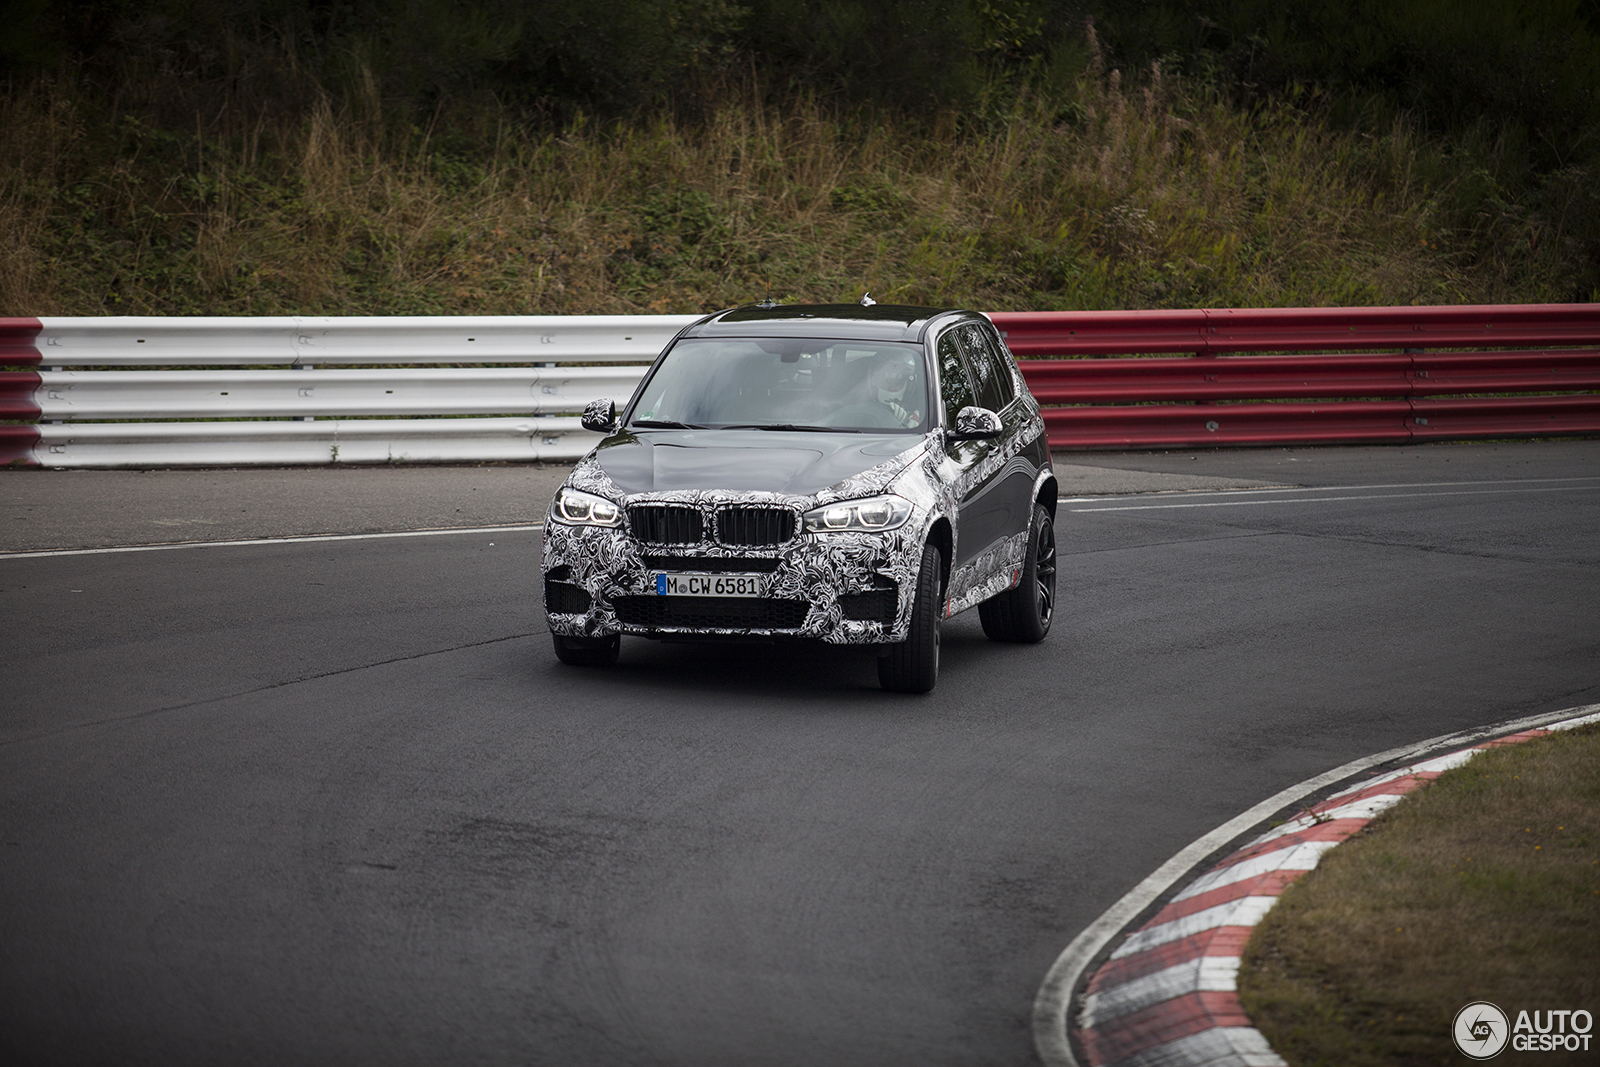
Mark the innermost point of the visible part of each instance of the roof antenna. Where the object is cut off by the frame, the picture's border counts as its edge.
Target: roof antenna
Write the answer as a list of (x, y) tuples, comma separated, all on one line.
[(866, 300), (768, 303)]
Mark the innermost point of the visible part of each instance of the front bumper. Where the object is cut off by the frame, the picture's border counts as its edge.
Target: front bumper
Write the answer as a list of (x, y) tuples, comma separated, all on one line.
[(840, 588)]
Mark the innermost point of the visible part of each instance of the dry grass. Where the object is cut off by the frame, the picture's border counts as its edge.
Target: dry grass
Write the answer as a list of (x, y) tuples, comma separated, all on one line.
[(1485, 885), (1121, 193)]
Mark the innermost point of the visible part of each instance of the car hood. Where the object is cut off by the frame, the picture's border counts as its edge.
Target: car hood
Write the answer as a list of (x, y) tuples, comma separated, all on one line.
[(798, 463)]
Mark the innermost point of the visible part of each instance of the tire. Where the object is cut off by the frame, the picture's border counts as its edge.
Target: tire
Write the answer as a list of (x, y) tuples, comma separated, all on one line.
[(912, 665), (587, 651), (1023, 614)]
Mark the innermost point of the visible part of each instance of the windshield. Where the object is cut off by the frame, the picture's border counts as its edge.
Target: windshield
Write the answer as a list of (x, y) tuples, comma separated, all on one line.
[(787, 383)]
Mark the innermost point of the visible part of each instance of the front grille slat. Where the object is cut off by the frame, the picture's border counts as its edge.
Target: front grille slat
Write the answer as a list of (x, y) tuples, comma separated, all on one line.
[(754, 526), (659, 525), (711, 612), (662, 524)]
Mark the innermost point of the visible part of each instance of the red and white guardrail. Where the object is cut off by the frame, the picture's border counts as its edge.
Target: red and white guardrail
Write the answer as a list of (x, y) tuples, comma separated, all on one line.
[(301, 390), (298, 390), (1538, 378)]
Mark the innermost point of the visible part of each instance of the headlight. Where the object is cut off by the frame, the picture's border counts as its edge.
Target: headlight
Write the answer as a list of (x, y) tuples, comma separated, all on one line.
[(585, 509), (873, 514)]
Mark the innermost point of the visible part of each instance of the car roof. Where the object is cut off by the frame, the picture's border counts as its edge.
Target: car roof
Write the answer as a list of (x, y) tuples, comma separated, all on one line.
[(877, 322)]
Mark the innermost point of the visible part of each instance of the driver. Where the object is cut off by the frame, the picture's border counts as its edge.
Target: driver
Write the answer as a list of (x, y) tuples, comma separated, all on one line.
[(891, 384)]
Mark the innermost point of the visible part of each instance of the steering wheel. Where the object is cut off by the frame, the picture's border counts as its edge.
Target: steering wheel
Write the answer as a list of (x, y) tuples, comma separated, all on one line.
[(875, 415)]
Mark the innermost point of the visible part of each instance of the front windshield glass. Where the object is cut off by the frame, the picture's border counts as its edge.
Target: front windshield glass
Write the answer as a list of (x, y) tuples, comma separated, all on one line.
[(787, 383)]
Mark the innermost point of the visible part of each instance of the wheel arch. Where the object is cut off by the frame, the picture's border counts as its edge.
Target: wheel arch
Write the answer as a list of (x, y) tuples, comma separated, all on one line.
[(1045, 494)]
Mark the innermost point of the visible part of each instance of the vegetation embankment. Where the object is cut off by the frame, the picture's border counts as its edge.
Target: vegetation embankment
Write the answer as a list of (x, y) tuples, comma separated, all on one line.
[(294, 170), (1483, 885)]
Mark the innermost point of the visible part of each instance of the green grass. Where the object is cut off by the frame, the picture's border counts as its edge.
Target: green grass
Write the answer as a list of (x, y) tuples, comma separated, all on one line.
[(1484, 885), (1116, 192)]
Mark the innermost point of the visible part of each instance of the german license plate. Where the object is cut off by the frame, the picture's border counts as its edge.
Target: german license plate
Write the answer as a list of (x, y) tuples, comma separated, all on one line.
[(711, 585)]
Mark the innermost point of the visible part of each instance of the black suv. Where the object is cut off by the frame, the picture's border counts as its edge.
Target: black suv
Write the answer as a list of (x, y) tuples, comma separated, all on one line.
[(845, 473)]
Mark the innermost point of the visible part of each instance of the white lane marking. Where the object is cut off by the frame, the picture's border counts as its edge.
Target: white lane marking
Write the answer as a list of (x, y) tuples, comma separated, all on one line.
[(1331, 499), (1438, 763), (1265, 489), (1051, 1003), (530, 527), (1203, 974), (1573, 724)]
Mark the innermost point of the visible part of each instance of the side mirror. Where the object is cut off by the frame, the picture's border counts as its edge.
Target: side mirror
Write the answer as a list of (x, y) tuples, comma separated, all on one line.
[(975, 423), (600, 416)]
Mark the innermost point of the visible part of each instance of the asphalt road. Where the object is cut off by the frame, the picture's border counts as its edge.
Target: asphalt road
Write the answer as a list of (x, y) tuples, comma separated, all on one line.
[(336, 802), (100, 508)]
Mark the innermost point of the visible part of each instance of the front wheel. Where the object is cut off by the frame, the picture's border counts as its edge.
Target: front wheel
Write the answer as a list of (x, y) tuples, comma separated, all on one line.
[(1023, 614), (587, 651), (912, 666)]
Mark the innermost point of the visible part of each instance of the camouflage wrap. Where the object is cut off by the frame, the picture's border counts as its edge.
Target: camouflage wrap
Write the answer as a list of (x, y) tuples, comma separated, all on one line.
[(607, 562)]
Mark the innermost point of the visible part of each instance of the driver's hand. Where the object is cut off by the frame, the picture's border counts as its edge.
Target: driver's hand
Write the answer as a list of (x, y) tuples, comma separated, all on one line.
[(905, 418)]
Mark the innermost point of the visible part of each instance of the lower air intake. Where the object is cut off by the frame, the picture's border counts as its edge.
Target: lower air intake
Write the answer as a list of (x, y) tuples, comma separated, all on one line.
[(875, 605), (711, 564), (564, 598), (711, 613)]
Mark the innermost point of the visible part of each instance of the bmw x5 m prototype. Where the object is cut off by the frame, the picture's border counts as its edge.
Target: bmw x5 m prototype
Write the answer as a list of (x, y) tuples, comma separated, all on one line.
[(835, 472)]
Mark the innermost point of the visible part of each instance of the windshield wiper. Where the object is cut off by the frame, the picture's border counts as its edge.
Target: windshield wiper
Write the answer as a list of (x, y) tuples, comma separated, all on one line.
[(665, 424), (787, 426)]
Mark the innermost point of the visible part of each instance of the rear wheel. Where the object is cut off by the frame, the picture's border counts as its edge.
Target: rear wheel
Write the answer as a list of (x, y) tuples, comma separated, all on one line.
[(912, 665), (587, 651), (1023, 614)]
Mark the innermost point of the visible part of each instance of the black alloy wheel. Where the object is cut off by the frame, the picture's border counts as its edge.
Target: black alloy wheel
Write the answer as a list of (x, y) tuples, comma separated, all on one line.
[(587, 651), (912, 665), (1023, 614)]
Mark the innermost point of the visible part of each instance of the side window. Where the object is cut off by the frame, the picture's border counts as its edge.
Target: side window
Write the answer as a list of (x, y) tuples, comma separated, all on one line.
[(954, 389), (1003, 360), (995, 390)]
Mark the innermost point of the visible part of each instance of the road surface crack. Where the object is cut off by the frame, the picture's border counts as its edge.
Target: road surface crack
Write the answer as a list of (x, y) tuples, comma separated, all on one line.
[(150, 712)]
